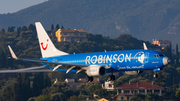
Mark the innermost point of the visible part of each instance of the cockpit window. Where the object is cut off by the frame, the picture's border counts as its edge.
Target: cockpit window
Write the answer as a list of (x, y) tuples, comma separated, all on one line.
[(158, 55), (161, 55)]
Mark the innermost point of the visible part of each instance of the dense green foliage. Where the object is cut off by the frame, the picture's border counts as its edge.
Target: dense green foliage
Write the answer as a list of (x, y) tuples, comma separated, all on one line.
[(38, 86), (145, 19)]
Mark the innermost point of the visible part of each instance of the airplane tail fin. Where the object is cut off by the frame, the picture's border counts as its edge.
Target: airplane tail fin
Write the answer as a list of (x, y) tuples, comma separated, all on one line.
[(47, 47)]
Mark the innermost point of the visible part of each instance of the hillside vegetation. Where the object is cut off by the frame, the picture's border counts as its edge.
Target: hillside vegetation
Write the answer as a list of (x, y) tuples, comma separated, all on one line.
[(39, 87), (143, 19)]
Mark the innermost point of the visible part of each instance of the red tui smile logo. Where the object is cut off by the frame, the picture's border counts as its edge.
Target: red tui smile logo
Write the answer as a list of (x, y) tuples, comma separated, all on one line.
[(44, 48)]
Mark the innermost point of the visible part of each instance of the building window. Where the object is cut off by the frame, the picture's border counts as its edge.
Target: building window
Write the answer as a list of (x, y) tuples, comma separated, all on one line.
[(149, 91), (126, 91), (156, 91), (127, 98), (122, 98), (110, 85), (68, 38), (76, 34), (133, 91), (64, 34), (142, 91), (81, 34)]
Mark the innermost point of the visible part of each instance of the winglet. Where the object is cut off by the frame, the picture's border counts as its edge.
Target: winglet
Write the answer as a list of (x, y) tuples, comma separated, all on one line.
[(145, 47), (12, 53)]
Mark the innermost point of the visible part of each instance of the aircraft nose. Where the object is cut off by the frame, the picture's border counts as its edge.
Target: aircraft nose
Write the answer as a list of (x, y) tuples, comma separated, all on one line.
[(166, 60)]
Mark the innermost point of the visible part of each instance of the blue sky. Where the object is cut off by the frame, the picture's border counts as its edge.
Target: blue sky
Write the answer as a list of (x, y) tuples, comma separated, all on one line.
[(11, 6)]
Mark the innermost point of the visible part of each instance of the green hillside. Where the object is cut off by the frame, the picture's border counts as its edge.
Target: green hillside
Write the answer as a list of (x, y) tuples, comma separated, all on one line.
[(142, 19)]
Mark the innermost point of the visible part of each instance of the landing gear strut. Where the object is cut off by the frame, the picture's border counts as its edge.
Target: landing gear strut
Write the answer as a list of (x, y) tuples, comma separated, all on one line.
[(89, 79), (111, 78), (155, 75)]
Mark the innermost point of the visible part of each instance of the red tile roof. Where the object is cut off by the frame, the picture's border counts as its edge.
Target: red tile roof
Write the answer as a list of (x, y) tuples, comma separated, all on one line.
[(139, 85)]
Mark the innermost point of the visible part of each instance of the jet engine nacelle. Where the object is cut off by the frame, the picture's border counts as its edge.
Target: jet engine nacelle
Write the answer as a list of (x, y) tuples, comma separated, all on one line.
[(95, 70), (133, 72)]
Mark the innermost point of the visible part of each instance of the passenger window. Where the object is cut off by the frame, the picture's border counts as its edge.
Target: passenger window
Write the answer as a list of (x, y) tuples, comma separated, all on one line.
[(160, 55), (156, 56)]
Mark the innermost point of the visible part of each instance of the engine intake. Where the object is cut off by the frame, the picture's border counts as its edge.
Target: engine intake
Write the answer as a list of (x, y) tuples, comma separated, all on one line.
[(96, 70)]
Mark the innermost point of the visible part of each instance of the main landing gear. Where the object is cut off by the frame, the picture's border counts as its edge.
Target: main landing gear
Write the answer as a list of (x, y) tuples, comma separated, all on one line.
[(89, 79)]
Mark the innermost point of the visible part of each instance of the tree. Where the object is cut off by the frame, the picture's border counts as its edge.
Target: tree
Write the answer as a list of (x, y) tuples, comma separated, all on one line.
[(138, 97), (177, 55), (58, 97), (73, 98), (24, 28), (42, 98), (57, 26), (31, 99), (47, 82), (21, 89), (7, 94), (38, 82), (3, 30), (2, 59), (177, 94), (32, 27), (52, 27), (25, 86), (11, 29), (18, 31), (17, 90), (62, 27), (101, 93)]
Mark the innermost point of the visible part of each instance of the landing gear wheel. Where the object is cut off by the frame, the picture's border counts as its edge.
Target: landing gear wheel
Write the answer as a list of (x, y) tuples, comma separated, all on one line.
[(89, 79), (111, 78), (155, 75)]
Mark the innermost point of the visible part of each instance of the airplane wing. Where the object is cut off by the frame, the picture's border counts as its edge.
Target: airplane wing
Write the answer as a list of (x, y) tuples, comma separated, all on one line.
[(20, 71), (59, 64), (31, 69), (43, 61)]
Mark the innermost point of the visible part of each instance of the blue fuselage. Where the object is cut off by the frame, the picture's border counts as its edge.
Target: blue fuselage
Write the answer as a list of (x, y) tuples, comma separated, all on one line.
[(118, 60)]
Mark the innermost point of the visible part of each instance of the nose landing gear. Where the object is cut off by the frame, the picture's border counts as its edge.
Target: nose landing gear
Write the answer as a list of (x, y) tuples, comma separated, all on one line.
[(111, 78), (155, 75)]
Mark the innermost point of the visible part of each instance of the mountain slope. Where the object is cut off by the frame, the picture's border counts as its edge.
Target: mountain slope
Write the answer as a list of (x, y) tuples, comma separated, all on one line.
[(141, 18)]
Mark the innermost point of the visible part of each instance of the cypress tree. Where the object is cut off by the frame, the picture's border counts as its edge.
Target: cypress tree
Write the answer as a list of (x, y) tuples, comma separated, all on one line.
[(170, 52), (11, 29), (172, 60), (32, 27), (18, 31), (25, 86), (52, 27), (3, 30), (177, 55), (57, 26), (47, 82), (17, 90), (62, 27), (38, 82), (2, 59), (24, 28)]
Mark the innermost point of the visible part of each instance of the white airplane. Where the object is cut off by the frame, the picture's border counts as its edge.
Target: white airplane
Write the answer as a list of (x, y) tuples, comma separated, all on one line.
[(95, 64)]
